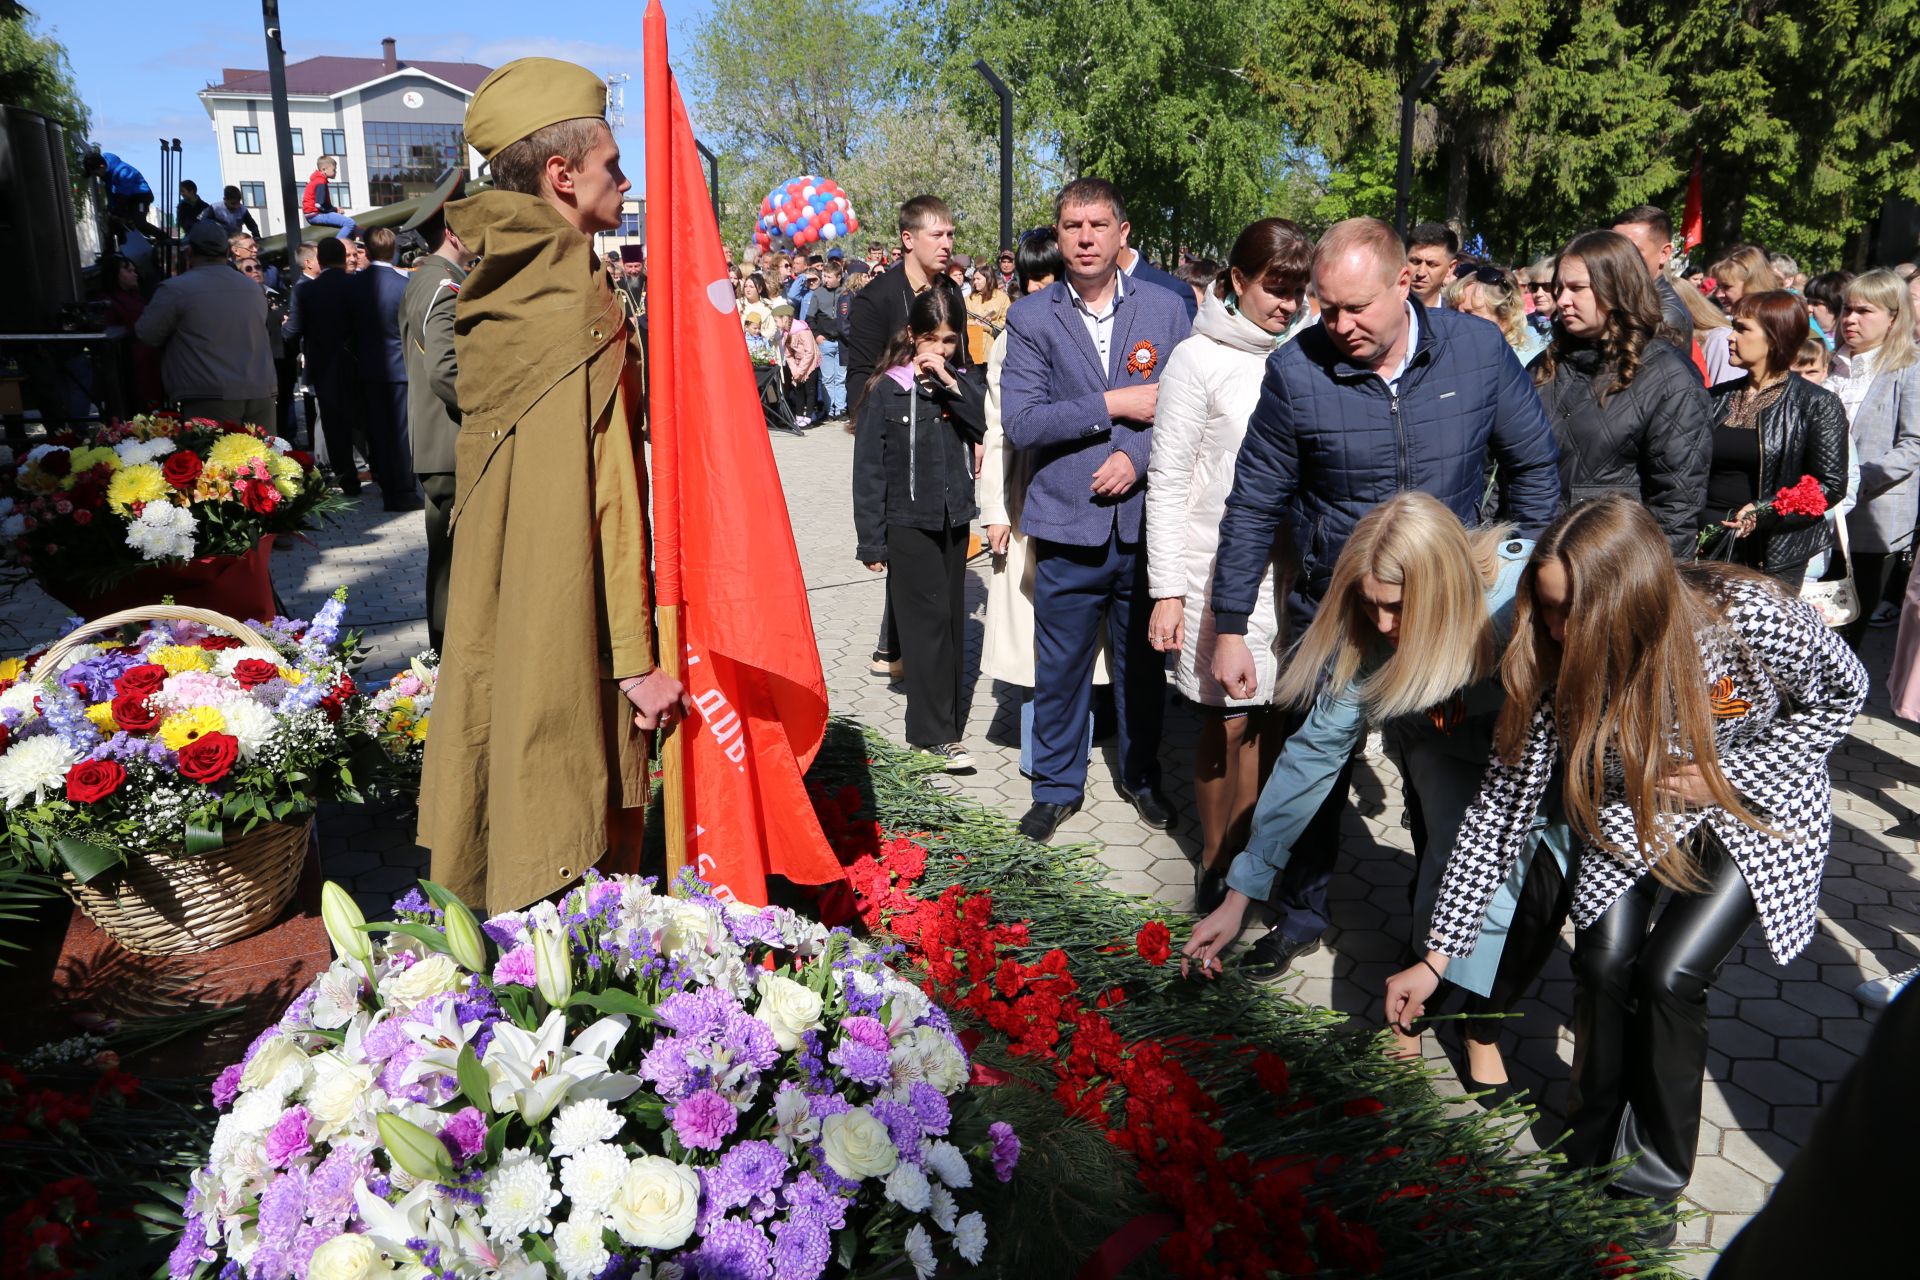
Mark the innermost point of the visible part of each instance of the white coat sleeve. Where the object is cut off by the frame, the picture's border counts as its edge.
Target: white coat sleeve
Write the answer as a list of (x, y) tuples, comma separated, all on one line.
[(1179, 433), (990, 486)]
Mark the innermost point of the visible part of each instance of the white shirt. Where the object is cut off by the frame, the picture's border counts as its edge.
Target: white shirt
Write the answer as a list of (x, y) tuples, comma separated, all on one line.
[(1851, 378), (1406, 354), (1100, 324)]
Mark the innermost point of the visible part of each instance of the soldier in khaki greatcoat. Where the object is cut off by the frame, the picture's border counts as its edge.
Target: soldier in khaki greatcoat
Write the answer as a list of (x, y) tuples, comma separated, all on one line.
[(536, 762)]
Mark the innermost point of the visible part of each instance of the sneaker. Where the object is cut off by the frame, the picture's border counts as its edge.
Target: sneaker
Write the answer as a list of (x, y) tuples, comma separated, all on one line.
[(803, 422), (885, 670), (1885, 614), (957, 759), (1878, 993)]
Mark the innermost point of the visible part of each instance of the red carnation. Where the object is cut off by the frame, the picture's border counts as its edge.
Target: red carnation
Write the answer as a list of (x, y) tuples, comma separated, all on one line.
[(141, 680), (6, 738), (92, 781), (254, 672), (1803, 497), (1270, 1069), (58, 463), (1155, 943), (209, 757), (181, 468), (132, 712)]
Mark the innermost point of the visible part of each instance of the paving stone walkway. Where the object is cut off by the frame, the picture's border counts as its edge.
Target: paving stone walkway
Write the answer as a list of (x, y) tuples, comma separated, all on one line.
[(1781, 1038)]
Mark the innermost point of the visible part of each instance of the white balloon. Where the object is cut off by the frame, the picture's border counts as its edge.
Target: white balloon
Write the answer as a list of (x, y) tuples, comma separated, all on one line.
[(829, 231)]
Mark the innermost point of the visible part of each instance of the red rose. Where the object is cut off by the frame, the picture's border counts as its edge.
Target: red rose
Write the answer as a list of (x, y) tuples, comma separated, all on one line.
[(333, 703), (254, 672), (132, 713), (59, 463), (6, 738), (92, 781), (302, 457), (141, 680), (209, 757), (83, 517), (1155, 943), (213, 644), (259, 497), (181, 468)]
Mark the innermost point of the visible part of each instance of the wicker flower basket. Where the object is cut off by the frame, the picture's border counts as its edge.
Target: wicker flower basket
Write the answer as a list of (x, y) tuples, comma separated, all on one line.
[(169, 904)]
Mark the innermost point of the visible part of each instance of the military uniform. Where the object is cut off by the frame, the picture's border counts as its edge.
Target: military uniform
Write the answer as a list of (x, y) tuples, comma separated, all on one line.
[(534, 770)]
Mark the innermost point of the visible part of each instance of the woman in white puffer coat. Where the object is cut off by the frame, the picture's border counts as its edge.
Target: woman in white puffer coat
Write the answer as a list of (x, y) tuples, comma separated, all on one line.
[(1207, 392)]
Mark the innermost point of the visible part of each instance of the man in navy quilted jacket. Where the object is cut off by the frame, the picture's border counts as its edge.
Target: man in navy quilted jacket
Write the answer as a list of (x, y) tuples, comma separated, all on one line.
[(1383, 395)]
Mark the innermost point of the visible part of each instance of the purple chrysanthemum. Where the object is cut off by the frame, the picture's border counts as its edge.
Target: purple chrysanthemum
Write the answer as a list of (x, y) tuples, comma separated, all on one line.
[(801, 1248), (931, 1106), (188, 1253), (862, 1063), (698, 1014), (808, 1196), (1006, 1149), (288, 1138), (733, 1250), (903, 1127), (704, 1120), (283, 1208), (330, 1189), (751, 1172)]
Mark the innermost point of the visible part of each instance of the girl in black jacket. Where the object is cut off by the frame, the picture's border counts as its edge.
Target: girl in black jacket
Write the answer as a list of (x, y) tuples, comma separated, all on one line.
[(1628, 409), (1770, 428), (916, 424)]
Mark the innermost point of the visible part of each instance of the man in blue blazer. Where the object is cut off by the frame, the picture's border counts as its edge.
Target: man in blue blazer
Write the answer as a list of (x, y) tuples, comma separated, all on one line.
[(320, 319), (1078, 390), (382, 362)]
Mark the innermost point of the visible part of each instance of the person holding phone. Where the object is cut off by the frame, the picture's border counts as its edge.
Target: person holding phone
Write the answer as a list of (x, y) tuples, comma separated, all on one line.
[(918, 419)]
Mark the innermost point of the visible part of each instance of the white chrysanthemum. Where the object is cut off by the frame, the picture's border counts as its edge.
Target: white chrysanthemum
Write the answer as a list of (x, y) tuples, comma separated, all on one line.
[(920, 1252), (518, 1198), (943, 1210), (970, 1237), (592, 1176), (227, 659), (134, 452), (578, 1246), (251, 724), (579, 1123), (909, 1188), (33, 769), (21, 698), (162, 530), (947, 1164)]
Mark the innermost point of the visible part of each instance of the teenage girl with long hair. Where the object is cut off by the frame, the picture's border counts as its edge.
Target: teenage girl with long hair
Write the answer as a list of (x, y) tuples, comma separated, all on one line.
[(1694, 710), (1408, 637)]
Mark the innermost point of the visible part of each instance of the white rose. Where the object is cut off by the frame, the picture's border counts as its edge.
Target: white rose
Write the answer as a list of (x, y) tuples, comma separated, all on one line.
[(788, 1008), (347, 1257), (689, 927), (657, 1203), (269, 1060), (428, 977), (336, 1093), (857, 1145)]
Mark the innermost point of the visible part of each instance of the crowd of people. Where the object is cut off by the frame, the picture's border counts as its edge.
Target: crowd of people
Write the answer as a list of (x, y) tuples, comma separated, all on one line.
[(1572, 537)]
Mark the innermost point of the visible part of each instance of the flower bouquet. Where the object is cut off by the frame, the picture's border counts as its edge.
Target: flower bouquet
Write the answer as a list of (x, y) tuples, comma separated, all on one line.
[(397, 717), (628, 1084), (178, 752), (158, 505), (1804, 497)]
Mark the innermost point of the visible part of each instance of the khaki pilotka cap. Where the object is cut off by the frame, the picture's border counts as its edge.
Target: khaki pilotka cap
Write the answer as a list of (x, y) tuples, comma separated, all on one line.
[(525, 96)]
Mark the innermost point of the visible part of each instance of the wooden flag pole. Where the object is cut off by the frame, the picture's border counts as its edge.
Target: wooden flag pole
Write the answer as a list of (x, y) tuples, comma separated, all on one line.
[(673, 755)]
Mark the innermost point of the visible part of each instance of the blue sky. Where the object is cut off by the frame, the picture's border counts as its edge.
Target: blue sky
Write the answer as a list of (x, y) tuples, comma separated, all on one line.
[(139, 67)]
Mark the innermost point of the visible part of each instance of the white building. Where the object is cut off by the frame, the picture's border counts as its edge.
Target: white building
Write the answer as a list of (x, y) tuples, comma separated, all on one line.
[(394, 126)]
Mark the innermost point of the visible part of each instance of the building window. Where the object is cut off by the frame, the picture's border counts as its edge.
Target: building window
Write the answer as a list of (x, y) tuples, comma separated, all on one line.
[(406, 160), (253, 195), (246, 140), (333, 142), (629, 224), (341, 195), (298, 141)]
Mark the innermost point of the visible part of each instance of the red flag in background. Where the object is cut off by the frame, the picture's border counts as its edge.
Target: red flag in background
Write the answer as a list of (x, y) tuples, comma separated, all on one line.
[(1693, 223), (723, 543)]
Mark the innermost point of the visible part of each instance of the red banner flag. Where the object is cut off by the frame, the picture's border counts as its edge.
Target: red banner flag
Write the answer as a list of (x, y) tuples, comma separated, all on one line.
[(723, 543), (1693, 223)]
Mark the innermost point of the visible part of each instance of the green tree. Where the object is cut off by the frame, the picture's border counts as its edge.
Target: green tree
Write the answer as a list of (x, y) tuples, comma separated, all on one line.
[(35, 74)]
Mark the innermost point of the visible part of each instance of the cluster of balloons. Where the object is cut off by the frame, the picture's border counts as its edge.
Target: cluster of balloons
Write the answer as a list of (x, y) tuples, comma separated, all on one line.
[(804, 210)]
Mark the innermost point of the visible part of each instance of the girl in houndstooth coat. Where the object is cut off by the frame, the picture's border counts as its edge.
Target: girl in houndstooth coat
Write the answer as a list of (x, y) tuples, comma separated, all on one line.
[(1694, 710)]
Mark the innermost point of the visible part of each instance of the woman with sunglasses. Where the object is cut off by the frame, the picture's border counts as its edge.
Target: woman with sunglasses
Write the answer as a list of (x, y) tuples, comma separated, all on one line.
[(1493, 294), (1627, 407)]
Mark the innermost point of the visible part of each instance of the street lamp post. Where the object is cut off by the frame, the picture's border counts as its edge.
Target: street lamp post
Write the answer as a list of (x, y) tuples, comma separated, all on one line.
[(1005, 95), (1403, 177), (282, 124)]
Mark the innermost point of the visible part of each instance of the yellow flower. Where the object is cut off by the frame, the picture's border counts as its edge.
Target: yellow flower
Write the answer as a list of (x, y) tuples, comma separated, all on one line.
[(13, 668), (234, 449), (403, 703), (292, 676), (420, 728), (286, 474), (177, 658), (182, 727), (141, 483), (101, 713), (87, 457)]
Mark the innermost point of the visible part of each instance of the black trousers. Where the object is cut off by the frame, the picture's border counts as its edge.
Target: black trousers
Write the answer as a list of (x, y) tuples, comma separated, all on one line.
[(926, 581), (438, 488), (391, 448), (1640, 1023), (1872, 570), (339, 396)]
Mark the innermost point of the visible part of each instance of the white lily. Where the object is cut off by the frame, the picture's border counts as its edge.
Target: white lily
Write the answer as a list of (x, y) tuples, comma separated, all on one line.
[(440, 1042), (533, 1072)]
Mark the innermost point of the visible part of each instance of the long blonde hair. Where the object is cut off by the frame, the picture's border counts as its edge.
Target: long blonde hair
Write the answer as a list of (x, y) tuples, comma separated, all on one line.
[(1887, 291), (1628, 678), (1411, 541)]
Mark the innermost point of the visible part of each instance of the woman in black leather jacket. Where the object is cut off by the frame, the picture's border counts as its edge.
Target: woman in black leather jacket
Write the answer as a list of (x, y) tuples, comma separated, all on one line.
[(1628, 409), (1770, 428)]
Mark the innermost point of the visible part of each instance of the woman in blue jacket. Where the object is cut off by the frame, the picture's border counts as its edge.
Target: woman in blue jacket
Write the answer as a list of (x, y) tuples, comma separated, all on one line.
[(1409, 637)]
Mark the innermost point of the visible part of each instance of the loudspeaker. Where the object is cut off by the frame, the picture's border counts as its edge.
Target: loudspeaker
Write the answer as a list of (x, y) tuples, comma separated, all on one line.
[(39, 244)]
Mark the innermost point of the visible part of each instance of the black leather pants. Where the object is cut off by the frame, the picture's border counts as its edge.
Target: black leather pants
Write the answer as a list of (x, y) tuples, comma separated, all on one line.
[(1640, 1024)]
